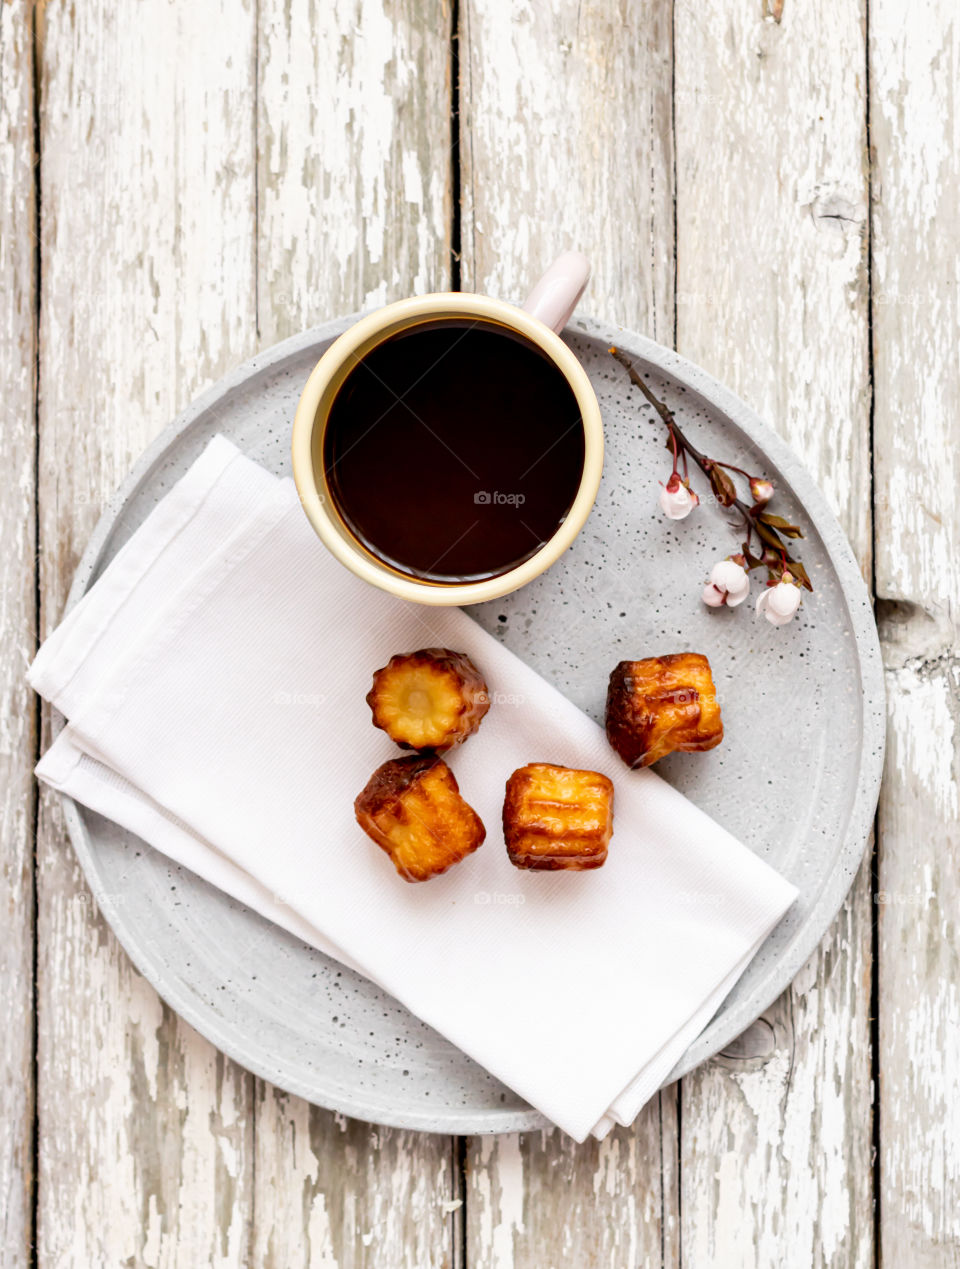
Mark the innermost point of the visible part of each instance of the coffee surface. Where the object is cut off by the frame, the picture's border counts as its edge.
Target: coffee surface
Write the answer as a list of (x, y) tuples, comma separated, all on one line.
[(454, 451)]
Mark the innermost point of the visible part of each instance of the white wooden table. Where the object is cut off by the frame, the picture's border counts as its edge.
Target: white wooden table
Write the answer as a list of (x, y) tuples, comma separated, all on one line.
[(770, 185)]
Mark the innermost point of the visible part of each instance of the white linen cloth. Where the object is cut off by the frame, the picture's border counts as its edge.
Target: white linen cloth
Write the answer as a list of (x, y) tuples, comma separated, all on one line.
[(214, 679)]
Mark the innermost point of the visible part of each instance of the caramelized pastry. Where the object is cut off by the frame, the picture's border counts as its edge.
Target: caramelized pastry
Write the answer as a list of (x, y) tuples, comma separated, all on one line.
[(432, 699), (557, 817), (413, 810), (661, 704)]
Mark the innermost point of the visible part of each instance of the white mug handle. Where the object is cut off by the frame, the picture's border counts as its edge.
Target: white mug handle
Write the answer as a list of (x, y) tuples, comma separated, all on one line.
[(558, 292)]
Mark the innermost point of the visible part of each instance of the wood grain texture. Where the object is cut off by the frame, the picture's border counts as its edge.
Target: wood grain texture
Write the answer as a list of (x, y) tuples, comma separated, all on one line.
[(914, 72), (566, 143), (355, 156), (355, 181), (539, 1199), (214, 173), (148, 294), (17, 627), (335, 1191), (772, 294)]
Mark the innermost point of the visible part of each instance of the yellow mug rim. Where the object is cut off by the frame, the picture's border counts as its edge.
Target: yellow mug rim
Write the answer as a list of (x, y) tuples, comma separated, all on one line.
[(325, 381)]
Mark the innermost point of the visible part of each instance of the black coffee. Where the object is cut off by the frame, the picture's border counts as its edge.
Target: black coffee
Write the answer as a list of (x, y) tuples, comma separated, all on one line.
[(454, 451)]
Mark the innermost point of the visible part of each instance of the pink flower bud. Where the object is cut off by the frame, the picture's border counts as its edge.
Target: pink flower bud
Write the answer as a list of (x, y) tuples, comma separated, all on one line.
[(729, 584), (677, 499), (779, 603), (760, 490)]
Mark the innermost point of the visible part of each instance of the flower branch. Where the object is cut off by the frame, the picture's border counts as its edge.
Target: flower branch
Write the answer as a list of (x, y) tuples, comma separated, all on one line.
[(765, 535)]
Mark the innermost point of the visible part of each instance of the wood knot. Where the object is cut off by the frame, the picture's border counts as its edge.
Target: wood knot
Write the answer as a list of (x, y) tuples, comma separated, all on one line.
[(753, 1047)]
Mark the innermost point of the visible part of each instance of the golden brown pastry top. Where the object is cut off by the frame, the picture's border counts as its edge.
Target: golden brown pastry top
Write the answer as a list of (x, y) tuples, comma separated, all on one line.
[(412, 808), (557, 817), (662, 704)]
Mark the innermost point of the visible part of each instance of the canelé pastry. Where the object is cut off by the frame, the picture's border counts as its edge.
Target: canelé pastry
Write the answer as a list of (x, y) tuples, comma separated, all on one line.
[(413, 810), (557, 817), (661, 704), (432, 699)]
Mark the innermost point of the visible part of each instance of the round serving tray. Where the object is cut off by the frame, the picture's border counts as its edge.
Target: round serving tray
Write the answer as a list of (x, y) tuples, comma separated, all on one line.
[(796, 778)]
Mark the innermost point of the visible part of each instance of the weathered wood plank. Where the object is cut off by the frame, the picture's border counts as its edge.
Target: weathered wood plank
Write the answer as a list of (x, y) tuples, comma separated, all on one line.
[(914, 72), (540, 1199), (566, 143), (148, 293), (354, 198), (355, 159), (772, 297), (17, 626), (335, 1191)]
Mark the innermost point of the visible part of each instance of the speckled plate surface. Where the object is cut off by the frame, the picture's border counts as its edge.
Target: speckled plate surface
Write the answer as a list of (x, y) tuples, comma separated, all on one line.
[(796, 777)]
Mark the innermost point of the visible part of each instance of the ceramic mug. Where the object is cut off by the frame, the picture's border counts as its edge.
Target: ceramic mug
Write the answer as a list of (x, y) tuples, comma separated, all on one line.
[(545, 313)]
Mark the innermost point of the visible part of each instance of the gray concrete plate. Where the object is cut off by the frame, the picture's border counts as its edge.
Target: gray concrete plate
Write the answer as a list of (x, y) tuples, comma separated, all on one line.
[(796, 777)]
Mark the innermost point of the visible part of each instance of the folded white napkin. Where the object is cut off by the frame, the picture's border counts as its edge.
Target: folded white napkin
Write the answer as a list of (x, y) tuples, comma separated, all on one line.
[(214, 681)]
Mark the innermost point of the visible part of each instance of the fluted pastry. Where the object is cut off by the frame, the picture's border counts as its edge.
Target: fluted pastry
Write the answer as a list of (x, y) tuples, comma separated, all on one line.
[(662, 704), (557, 817), (412, 808), (431, 699)]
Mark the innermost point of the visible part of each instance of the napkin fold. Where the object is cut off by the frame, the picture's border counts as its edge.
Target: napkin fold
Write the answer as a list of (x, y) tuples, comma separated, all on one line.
[(213, 679)]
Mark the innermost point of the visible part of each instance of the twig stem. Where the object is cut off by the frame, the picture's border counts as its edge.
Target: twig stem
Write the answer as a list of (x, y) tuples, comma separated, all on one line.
[(755, 518), (679, 438)]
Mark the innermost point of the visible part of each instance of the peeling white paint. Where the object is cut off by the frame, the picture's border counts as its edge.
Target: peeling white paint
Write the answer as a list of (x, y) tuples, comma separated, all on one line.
[(922, 717), (499, 1192), (149, 293), (775, 1164), (17, 582), (565, 110), (356, 161)]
